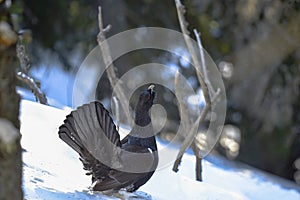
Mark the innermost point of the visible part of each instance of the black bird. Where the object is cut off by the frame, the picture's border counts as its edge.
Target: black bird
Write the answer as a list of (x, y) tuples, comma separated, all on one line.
[(113, 163)]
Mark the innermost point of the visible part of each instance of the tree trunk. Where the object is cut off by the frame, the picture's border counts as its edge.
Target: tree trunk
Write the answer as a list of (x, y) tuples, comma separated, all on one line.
[(10, 148), (9, 99), (10, 162)]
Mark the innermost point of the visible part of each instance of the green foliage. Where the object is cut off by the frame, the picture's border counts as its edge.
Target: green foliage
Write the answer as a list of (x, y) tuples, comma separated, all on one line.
[(16, 8), (62, 26)]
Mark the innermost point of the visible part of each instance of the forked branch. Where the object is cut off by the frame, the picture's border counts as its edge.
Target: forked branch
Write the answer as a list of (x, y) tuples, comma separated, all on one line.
[(23, 75), (206, 87)]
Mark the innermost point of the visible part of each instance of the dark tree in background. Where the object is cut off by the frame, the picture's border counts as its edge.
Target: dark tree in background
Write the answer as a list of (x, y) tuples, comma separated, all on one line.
[(255, 43), (261, 39), (10, 148)]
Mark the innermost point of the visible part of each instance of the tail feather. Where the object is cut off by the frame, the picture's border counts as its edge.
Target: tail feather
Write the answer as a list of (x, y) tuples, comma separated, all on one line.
[(90, 131), (67, 134)]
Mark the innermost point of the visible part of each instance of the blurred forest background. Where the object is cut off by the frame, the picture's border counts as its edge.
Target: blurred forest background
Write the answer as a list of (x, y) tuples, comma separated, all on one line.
[(255, 43)]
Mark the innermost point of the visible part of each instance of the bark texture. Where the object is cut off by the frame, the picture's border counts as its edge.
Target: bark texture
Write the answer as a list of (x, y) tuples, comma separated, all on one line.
[(10, 162), (10, 148)]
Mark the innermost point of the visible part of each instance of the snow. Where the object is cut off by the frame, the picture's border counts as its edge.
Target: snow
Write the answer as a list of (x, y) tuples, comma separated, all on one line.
[(53, 171)]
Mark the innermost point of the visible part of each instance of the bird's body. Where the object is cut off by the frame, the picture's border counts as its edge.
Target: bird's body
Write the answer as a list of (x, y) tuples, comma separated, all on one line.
[(113, 163)]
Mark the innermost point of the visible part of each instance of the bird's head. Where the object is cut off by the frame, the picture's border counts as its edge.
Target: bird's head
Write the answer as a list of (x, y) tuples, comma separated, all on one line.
[(146, 99)]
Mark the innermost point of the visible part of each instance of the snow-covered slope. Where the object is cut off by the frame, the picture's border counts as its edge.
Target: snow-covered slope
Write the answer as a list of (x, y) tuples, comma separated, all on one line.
[(52, 170)]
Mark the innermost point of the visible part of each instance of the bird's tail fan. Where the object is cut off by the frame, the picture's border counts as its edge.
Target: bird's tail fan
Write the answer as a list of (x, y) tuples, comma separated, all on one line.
[(69, 135)]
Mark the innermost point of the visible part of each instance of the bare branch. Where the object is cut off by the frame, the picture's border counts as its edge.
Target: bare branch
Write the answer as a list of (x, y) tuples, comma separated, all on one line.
[(206, 88), (181, 103), (41, 97), (192, 132), (190, 137), (24, 77), (183, 26), (196, 151), (116, 103), (203, 64), (23, 58), (183, 116), (177, 163), (111, 72)]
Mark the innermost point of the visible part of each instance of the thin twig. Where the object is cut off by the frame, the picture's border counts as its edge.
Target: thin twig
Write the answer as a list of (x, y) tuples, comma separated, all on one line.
[(177, 163), (181, 102), (203, 63), (111, 73), (23, 58), (116, 103), (23, 76), (183, 26), (41, 97)]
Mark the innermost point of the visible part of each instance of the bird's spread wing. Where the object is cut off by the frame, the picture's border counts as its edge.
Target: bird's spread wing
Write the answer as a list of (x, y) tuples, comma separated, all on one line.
[(90, 131)]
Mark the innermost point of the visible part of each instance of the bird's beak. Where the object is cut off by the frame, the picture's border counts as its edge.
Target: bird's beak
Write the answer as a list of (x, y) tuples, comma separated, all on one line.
[(151, 88)]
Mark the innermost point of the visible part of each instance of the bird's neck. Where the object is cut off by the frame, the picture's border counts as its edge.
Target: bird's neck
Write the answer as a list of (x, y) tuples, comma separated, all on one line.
[(142, 118), (149, 142), (142, 133)]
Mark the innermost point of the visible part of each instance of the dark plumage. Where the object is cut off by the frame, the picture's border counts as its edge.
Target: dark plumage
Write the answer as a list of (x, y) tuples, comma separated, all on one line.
[(113, 163)]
